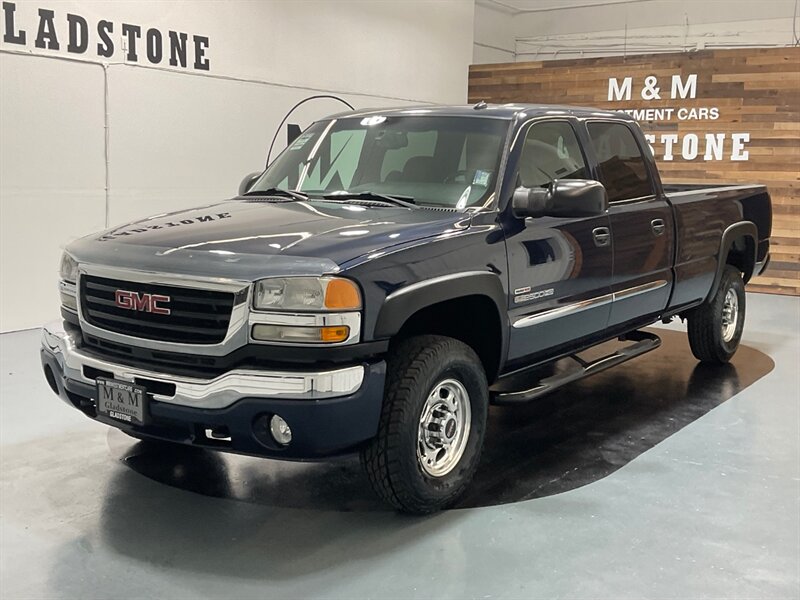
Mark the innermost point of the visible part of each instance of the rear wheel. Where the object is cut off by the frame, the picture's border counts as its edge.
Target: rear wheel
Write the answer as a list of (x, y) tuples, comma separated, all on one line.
[(715, 328), (432, 425)]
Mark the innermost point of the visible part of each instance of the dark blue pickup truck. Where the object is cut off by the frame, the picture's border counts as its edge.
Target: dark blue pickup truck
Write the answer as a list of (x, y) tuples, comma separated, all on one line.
[(391, 274)]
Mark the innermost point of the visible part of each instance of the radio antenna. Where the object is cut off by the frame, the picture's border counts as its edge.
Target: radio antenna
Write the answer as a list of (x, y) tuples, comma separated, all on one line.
[(316, 97)]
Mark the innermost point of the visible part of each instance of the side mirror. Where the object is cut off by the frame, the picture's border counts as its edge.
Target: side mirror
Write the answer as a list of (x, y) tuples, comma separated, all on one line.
[(562, 198), (248, 182)]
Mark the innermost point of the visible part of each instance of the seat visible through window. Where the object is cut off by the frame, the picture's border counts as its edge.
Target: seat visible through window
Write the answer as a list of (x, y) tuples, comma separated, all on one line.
[(551, 151)]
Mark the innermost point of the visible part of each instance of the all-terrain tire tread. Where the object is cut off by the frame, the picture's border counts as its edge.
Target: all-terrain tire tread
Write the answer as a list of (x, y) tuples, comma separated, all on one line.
[(703, 324), (405, 366)]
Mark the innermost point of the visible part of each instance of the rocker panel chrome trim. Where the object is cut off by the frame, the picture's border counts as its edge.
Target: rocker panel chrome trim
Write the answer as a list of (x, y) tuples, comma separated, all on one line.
[(639, 289), (563, 311), (570, 309)]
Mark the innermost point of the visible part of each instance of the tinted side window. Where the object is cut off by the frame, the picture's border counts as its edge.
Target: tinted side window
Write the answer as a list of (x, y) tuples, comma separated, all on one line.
[(621, 167), (551, 152)]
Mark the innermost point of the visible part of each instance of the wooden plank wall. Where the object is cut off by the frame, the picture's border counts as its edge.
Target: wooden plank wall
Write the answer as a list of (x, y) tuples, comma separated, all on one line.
[(755, 91)]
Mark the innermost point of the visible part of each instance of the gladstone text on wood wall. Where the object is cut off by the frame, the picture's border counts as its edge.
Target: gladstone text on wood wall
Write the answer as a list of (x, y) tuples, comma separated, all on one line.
[(710, 116)]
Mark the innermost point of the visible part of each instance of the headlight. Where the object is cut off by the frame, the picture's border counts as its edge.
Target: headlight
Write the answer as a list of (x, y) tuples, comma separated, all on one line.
[(306, 294), (69, 268)]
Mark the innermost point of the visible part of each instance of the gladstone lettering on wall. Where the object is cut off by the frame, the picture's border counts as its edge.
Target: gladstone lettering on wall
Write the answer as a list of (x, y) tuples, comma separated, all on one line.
[(106, 39), (712, 146)]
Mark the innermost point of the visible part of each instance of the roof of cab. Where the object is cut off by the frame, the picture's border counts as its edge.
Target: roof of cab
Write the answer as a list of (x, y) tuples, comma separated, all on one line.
[(497, 111)]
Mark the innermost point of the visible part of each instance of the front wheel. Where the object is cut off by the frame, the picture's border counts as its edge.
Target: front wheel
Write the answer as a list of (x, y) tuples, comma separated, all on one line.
[(715, 328), (432, 425)]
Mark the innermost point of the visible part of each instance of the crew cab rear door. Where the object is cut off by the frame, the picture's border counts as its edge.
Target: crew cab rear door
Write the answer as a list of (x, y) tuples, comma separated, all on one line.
[(559, 268), (642, 227)]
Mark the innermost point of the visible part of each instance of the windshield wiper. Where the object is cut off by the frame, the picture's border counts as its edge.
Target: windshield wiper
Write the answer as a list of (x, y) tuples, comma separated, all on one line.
[(279, 193), (397, 200)]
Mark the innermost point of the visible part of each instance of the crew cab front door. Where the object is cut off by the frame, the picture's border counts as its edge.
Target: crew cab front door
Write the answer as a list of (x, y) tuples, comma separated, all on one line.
[(559, 268)]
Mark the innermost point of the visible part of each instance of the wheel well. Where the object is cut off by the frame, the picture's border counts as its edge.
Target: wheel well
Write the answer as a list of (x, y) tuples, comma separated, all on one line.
[(742, 256), (472, 319)]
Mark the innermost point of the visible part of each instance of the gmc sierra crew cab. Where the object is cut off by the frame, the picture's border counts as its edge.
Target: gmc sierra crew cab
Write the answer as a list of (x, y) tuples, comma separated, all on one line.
[(389, 276)]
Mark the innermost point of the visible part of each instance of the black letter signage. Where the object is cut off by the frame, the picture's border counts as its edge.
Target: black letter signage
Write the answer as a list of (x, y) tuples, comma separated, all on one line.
[(78, 34), (47, 31), (84, 36), (8, 35)]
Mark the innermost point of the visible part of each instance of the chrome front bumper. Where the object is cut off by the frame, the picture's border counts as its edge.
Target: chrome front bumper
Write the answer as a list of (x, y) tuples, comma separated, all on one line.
[(218, 392)]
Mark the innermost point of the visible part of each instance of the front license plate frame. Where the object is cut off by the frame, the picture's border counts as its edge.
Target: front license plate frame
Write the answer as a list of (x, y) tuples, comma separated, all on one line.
[(122, 401)]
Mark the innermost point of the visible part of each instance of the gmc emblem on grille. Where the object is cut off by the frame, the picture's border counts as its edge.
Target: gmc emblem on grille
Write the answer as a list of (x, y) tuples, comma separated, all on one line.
[(142, 302)]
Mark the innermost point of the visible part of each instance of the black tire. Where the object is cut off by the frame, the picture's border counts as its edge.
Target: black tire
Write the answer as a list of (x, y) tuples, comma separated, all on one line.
[(415, 368), (706, 321)]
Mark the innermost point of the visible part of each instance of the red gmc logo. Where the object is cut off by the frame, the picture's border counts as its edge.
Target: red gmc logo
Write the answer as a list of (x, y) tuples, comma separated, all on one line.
[(141, 302)]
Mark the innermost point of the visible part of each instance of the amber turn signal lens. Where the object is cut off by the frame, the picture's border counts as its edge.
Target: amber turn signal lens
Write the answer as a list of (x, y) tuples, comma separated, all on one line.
[(288, 333), (342, 294), (334, 334)]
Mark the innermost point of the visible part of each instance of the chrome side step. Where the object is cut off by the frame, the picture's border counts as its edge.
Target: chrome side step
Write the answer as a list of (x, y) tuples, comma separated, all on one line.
[(524, 387)]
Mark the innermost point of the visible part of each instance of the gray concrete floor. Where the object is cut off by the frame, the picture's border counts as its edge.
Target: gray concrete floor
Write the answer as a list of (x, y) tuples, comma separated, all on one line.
[(713, 511)]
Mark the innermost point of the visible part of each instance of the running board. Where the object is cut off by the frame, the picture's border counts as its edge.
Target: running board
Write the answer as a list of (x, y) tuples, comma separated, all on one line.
[(643, 342)]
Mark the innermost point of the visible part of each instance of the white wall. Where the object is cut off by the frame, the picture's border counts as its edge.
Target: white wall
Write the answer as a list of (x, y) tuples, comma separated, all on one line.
[(52, 177), (178, 138), (494, 38), (579, 28)]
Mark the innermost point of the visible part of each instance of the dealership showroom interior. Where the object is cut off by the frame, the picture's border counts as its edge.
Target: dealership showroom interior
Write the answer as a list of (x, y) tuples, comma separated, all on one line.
[(400, 299)]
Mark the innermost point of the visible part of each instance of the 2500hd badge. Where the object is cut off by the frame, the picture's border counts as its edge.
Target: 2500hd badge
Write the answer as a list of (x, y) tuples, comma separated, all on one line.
[(390, 276)]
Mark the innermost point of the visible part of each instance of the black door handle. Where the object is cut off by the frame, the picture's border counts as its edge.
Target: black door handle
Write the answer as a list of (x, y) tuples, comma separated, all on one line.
[(602, 236), (658, 226)]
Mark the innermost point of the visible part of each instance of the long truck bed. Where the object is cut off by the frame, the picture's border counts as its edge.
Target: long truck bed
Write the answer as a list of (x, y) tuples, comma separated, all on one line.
[(713, 220)]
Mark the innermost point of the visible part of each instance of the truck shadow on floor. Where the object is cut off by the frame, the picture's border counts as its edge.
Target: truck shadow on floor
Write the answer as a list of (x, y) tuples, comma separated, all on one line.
[(569, 439)]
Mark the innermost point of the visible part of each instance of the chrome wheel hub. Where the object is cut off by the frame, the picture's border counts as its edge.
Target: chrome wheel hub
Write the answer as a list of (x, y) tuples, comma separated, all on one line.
[(730, 315), (443, 428)]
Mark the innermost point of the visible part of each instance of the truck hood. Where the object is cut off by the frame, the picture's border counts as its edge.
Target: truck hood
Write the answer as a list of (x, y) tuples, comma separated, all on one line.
[(245, 239)]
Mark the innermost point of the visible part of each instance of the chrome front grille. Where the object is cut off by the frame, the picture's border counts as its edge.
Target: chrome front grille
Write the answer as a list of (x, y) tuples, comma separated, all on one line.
[(196, 316)]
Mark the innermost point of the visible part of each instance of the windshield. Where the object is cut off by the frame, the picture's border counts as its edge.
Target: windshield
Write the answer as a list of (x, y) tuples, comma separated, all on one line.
[(436, 161)]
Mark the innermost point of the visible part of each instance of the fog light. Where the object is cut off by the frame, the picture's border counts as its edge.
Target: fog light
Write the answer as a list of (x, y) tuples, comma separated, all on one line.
[(69, 301), (280, 430)]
